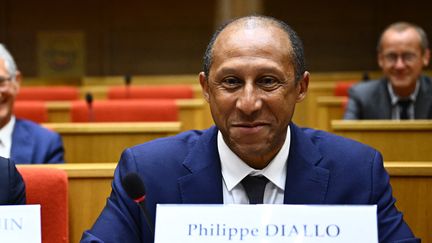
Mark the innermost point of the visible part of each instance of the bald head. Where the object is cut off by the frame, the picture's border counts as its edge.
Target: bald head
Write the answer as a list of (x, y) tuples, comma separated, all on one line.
[(404, 26), (253, 23)]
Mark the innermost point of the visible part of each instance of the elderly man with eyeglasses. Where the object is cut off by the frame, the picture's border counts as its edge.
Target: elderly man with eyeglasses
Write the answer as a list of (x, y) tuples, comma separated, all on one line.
[(403, 92), (21, 140)]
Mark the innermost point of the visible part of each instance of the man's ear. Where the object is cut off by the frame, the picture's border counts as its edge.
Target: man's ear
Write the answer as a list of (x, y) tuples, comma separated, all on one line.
[(302, 87), (18, 80), (380, 60), (204, 85), (426, 58)]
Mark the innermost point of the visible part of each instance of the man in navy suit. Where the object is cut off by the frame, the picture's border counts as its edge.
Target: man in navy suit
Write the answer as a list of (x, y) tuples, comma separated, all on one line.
[(23, 141), (254, 74), (403, 92), (12, 188)]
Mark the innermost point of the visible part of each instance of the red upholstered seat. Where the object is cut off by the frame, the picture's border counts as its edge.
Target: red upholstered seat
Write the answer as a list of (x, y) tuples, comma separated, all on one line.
[(125, 111), (32, 110), (48, 93), (151, 92), (342, 87), (49, 188)]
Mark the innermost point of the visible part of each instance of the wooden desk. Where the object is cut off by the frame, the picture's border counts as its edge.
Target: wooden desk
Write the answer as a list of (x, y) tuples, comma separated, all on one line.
[(306, 111), (99, 92), (141, 79), (98, 86), (90, 185), (342, 75), (193, 113), (396, 140), (412, 188), (329, 108), (104, 142)]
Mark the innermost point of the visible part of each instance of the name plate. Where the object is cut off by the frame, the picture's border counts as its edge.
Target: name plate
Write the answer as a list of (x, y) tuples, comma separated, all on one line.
[(184, 223), (20, 223)]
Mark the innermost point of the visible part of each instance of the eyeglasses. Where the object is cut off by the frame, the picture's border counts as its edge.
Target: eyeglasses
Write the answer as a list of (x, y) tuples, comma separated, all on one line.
[(407, 57)]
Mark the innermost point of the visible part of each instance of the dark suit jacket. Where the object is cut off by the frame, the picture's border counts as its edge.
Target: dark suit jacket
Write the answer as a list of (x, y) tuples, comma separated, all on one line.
[(33, 144), (321, 169), (12, 188), (371, 100)]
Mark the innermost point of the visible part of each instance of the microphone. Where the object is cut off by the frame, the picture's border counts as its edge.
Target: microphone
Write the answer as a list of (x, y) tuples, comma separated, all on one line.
[(89, 101), (128, 81), (135, 189)]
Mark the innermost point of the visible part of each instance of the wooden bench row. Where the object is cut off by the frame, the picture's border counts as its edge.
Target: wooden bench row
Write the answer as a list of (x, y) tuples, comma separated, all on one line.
[(90, 185), (104, 142), (193, 113), (322, 83)]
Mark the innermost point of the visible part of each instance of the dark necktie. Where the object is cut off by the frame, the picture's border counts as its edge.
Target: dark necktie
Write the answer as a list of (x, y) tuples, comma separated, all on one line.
[(403, 105), (254, 187)]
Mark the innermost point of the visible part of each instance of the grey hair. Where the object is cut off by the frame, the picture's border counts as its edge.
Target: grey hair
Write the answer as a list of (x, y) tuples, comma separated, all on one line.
[(402, 26), (9, 61), (297, 54)]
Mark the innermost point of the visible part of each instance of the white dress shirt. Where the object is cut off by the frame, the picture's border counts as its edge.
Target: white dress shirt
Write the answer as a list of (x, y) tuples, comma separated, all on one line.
[(394, 98), (234, 170), (6, 138)]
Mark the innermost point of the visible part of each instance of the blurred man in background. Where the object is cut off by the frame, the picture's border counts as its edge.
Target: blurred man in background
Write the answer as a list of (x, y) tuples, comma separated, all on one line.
[(403, 92), (21, 140)]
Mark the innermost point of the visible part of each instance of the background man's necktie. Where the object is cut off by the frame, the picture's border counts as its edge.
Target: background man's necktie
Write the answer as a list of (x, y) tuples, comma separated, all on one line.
[(403, 105), (254, 187)]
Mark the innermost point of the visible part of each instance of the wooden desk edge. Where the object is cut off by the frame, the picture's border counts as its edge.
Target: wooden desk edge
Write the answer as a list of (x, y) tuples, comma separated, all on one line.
[(409, 168), (113, 127), (331, 100), (66, 105), (81, 170), (384, 125), (92, 170)]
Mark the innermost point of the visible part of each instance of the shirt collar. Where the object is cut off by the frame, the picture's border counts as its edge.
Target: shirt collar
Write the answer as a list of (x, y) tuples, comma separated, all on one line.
[(234, 169), (6, 132), (395, 98)]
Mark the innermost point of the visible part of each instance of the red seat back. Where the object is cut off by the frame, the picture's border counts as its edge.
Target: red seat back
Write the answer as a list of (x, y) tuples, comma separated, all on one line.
[(342, 87), (49, 188), (32, 110), (125, 111), (48, 93), (151, 92)]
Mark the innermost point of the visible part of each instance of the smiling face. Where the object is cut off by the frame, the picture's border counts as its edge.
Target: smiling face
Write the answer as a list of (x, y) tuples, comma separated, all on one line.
[(8, 91), (251, 90), (402, 59)]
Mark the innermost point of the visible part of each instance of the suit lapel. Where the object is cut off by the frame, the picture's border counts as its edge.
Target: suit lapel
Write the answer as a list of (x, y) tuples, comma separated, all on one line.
[(383, 101), (306, 183), (22, 144), (204, 183)]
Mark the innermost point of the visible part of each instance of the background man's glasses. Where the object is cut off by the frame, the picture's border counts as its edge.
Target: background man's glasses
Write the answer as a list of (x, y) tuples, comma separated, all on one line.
[(407, 58)]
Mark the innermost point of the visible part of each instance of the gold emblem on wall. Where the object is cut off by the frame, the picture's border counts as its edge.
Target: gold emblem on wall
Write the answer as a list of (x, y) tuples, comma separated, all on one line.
[(61, 54)]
